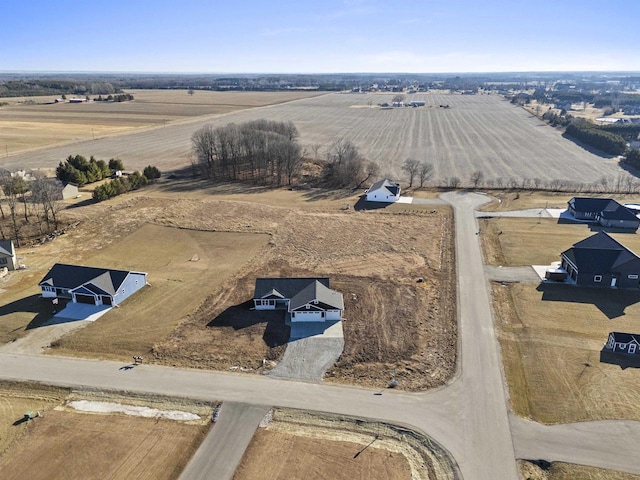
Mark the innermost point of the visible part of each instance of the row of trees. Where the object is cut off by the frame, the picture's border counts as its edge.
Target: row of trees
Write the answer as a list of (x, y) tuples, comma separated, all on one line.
[(587, 132), (77, 169), (423, 171), (265, 151), (118, 186), (346, 167), (40, 198)]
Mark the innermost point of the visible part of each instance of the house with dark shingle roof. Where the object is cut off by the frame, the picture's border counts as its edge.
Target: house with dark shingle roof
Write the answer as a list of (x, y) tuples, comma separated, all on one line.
[(601, 261), (305, 299), (91, 285), (384, 190), (623, 343), (603, 211), (8, 255)]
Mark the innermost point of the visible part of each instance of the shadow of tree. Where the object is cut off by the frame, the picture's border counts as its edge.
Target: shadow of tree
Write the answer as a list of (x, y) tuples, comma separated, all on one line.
[(241, 316), (611, 302)]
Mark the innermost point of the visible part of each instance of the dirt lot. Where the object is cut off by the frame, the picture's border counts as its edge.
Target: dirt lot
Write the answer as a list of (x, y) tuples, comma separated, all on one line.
[(25, 126), (64, 443), (478, 132), (234, 242), (568, 471), (298, 445)]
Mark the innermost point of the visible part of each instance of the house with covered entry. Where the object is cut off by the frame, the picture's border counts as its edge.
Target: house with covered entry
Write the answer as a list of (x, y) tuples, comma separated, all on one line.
[(601, 261), (384, 190), (304, 299), (91, 285)]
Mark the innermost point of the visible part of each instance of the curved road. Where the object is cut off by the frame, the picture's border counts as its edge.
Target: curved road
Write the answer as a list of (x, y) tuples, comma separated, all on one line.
[(469, 417)]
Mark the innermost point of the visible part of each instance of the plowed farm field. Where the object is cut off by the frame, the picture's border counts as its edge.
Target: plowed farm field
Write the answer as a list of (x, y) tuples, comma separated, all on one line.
[(476, 132)]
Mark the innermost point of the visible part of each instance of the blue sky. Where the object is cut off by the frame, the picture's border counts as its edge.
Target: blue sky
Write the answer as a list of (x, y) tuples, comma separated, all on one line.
[(285, 36)]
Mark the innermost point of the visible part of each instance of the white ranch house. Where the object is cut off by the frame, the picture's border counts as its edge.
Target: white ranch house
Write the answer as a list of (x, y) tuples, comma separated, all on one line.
[(384, 190), (304, 299)]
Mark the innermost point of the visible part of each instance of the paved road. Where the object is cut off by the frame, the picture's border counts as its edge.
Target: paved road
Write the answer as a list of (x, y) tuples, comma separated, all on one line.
[(468, 418), (221, 452)]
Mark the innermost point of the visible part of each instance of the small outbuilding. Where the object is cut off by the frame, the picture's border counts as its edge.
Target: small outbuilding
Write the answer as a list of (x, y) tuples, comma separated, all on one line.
[(305, 299), (619, 217), (8, 256), (384, 190), (91, 285), (70, 190)]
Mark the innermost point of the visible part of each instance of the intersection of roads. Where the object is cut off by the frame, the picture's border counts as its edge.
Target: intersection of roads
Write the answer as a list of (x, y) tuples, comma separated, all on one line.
[(469, 417)]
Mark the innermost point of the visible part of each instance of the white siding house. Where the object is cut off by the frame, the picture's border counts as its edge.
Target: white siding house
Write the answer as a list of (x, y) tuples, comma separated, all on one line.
[(305, 299), (384, 190), (8, 255)]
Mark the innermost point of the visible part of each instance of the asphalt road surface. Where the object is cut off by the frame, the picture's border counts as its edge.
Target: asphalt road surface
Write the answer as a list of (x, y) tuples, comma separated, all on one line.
[(220, 453), (469, 417)]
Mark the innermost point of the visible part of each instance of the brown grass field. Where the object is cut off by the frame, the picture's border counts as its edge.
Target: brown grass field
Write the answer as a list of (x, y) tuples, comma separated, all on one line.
[(478, 132), (569, 471), (533, 241), (551, 335), (25, 126), (298, 445), (193, 313), (64, 443)]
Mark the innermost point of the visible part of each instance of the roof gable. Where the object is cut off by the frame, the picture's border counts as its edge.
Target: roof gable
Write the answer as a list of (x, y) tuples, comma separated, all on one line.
[(72, 276), (6, 248), (317, 292), (285, 287), (621, 337), (392, 187), (591, 204), (599, 253), (619, 213)]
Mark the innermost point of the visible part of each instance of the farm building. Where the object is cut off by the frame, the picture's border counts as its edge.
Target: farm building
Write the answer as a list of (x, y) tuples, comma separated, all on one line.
[(417, 103), (70, 190), (601, 261), (603, 211), (384, 190), (95, 286), (623, 343), (305, 299), (8, 255)]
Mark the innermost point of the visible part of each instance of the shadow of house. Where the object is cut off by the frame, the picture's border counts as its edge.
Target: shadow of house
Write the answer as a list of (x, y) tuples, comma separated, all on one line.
[(363, 204), (612, 303), (243, 316), (41, 308), (599, 228), (623, 361)]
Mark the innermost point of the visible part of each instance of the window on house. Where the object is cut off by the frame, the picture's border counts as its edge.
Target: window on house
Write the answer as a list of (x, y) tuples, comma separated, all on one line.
[(633, 277), (597, 278), (3, 261)]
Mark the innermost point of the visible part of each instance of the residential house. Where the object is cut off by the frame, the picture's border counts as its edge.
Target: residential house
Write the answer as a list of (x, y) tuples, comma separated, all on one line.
[(305, 299), (623, 343), (8, 255), (95, 286), (601, 261), (619, 217), (603, 211), (384, 190), (69, 190)]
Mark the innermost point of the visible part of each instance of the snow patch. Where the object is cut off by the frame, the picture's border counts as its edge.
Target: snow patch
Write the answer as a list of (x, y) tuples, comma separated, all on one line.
[(108, 407)]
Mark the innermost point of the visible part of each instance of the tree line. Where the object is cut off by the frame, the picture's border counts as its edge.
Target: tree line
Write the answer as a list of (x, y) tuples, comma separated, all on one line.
[(77, 169), (263, 151), (589, 133)]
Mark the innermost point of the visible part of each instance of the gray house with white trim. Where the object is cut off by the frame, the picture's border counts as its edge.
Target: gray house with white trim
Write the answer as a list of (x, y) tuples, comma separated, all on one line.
[(603, 211), (8, 256), (91, 285), (305, 299)]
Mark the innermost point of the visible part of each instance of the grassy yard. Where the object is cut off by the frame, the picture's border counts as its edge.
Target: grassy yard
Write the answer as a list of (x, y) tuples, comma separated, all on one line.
[(569, 471)]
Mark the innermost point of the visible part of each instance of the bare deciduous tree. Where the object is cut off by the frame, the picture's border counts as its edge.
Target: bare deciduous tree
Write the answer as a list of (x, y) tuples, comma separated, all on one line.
[(425, 172), (476, 178), (411, 167)]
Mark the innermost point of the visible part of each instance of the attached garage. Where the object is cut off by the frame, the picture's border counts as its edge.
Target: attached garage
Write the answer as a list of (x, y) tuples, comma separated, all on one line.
[(307, 316), (90, 299)]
